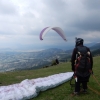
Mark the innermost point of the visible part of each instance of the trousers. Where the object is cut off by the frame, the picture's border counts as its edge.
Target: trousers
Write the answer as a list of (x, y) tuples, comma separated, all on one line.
[(77, 86)]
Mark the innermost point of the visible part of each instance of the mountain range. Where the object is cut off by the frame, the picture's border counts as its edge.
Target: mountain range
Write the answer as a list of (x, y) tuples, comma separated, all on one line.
[(13, 60)]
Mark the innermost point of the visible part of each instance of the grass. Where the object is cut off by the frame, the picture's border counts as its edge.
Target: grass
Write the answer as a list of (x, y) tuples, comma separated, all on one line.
[(61, 92)]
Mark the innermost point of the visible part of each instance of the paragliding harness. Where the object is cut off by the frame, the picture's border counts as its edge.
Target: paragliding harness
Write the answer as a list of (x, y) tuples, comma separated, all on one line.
[(82, 64)]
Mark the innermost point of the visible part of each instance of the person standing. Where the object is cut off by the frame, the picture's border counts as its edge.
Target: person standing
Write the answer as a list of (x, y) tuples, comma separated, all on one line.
[(82, 64), (57, 61)]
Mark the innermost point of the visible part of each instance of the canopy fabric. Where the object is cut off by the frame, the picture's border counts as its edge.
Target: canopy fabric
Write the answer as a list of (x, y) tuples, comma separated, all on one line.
[(58, 30), (30, 88)]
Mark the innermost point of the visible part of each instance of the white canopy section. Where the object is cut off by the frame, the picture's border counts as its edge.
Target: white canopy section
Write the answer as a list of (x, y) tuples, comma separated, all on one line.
[(58, 30), (30, 88)]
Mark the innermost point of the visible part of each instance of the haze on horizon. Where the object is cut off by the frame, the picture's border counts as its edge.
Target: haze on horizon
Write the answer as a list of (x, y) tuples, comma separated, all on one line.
[(21, 22)]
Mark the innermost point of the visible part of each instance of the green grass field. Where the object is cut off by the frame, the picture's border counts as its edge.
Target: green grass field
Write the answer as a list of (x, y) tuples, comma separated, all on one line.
[(62, 92)]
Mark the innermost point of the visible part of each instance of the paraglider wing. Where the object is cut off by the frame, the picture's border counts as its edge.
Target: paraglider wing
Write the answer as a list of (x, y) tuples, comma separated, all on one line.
[(60, 32), (57, 29), (41, 34), (30, 88)]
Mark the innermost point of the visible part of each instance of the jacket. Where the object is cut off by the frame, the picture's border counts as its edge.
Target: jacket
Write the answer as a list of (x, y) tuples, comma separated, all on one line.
[(73, 57)]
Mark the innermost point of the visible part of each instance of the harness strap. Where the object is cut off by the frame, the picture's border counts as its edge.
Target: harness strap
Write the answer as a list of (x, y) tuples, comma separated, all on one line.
[(97, 92), (95, 79), (72, 85)]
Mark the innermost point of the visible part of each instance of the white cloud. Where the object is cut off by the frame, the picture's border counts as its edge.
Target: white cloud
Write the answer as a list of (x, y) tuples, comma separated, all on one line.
[(90, 36), (22, 20)]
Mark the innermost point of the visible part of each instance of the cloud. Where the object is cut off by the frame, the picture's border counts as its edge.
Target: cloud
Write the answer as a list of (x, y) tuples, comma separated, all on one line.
[(7, 7), (21, 21), (90, 19), (90, 36), (92, 5)]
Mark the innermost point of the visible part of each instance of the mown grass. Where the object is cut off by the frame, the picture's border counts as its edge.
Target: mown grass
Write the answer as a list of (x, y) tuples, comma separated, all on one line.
[(61, 92)]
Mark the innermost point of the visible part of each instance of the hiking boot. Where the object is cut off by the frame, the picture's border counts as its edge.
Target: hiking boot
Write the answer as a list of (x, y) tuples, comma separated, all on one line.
[(84, 91), (75, 94)]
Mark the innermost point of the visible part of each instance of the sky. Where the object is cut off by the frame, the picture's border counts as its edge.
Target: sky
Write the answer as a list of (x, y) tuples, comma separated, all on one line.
[(21, 22)]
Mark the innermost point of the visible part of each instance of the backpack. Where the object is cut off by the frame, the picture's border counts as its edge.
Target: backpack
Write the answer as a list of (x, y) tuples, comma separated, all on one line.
[(82, 62)]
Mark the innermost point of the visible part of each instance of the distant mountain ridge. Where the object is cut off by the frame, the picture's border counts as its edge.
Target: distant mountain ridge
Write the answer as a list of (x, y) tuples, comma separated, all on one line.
[(95, 47), (31, 49), (13, 60)]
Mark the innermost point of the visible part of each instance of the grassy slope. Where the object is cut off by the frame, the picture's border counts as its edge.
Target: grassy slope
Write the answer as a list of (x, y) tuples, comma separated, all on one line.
[(61, 92)]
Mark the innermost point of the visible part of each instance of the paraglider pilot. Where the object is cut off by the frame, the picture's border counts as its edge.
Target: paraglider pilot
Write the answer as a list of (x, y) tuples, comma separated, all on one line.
[(82, 63), (57, 61)]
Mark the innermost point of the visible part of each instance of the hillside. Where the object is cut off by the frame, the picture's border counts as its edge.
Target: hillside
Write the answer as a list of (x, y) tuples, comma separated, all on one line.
[(95, 47), (96, 52), (11, 61), (61, 92)]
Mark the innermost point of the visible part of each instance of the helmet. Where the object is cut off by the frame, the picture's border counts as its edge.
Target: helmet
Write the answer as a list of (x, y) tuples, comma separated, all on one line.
[(79, 41)]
